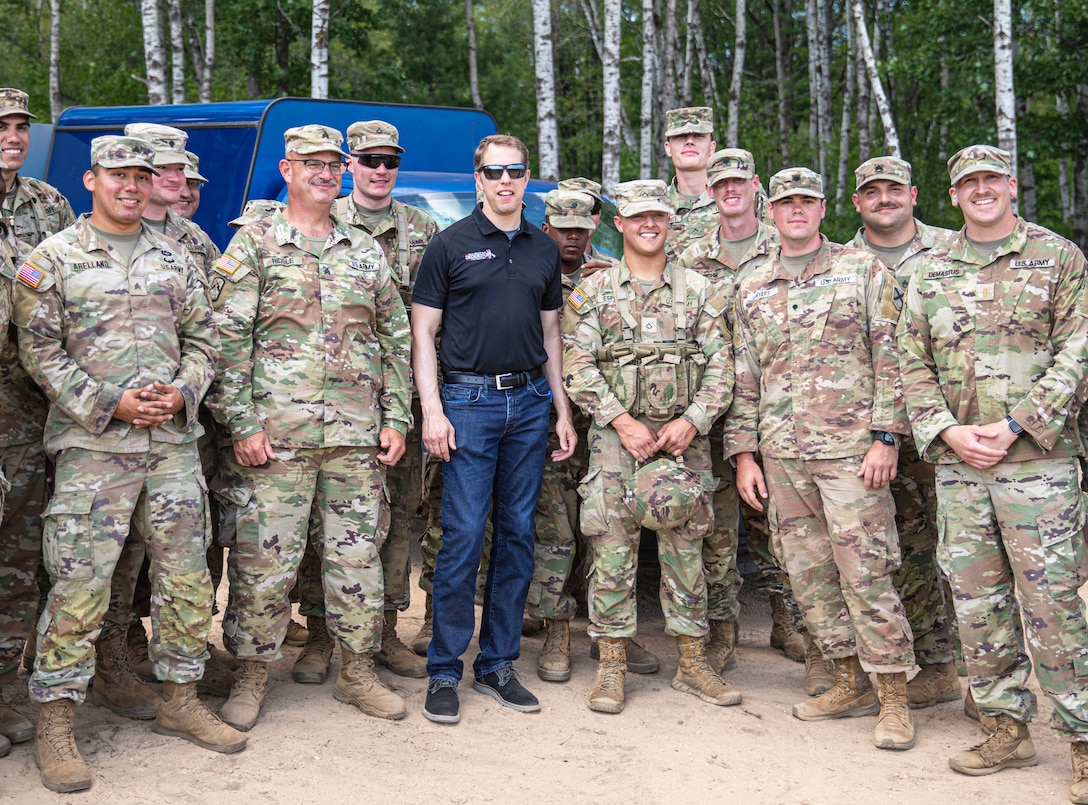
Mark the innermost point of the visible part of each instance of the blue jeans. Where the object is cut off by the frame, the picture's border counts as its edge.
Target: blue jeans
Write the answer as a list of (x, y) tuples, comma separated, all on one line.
[(502, 439)]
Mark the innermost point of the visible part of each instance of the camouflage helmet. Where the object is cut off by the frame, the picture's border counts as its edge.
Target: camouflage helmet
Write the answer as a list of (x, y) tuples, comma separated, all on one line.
[(663, 494)]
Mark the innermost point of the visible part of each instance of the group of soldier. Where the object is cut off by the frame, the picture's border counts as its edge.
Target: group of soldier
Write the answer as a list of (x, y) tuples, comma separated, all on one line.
[(892, 422)]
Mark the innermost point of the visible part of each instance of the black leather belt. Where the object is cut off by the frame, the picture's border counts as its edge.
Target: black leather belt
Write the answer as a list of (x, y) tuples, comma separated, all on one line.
[(507, 380)]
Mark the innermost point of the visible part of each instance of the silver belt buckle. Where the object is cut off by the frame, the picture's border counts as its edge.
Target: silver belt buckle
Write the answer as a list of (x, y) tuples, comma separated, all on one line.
[(499, 380)]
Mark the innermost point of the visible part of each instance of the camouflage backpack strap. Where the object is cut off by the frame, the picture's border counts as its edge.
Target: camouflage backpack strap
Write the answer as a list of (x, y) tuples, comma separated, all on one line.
[(401, 218), (623, 304), (679, 303)]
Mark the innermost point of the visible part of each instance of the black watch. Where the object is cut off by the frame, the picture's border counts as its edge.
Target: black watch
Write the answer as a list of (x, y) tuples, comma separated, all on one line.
[(884, 437), (1014, 426)]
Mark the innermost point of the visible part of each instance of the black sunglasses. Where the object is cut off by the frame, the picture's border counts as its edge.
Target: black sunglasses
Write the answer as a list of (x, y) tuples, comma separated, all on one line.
[(373, 161), (494, 172)]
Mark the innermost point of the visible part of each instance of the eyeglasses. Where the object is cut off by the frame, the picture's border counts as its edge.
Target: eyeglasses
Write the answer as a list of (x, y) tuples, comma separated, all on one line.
[(374, 161), (495, 172), (318, 165)]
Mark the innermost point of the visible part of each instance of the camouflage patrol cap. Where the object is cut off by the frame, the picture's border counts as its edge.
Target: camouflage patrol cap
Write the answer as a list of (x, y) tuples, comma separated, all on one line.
[(15, 102), (663, 494), (642, 195), (693, 119), (168, 142), (796, 182), (893, 169), (580, 185), (372, 134), (313, 139), (730, 163), (192, 167), (978, 158), (255, 210), (567, 209), (114, 151)]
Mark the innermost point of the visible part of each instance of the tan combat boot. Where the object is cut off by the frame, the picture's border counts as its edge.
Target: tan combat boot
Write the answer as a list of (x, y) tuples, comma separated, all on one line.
[(1008, 747), (553, 665), (894, 726), (183, 715), (358, 684), (218, 679), (13, 725), (934, 684), (640, 660), (1078, 789), (297, 634), (783, 637), (852, 695), (312, 665), (695, 675), (422, 641), (721, 645), (819, 677), (138, 659), (970, 709), (56, 754), (115, 686), (396, 656), (244, 705), (607, 693)]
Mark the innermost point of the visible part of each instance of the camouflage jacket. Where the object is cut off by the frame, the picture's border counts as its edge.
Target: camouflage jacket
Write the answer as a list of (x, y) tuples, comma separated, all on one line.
[(690, 220), (194, 239), (23, 407), (663, 360), (925, 238), (817, 364), (987, 336), (403, 246), (315, 351), (89, 329), (35, 210)]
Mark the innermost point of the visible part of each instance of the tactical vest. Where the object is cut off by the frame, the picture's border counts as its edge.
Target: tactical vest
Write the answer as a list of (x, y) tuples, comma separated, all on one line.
[(653, 378)]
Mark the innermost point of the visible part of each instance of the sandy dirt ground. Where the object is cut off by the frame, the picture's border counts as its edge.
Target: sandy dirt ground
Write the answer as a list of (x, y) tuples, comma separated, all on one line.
[(666, 746)]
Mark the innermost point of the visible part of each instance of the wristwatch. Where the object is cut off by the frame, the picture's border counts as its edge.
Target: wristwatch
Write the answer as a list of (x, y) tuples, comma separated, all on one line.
[(1014, 426), (884, 437)]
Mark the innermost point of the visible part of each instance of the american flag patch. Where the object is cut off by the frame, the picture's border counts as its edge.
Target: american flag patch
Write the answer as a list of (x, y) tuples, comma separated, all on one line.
[(227, 264), (576, 299), (30, 275)]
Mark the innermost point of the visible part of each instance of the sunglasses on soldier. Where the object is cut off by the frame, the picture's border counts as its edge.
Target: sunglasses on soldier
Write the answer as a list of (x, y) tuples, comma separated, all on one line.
[(373, 161)]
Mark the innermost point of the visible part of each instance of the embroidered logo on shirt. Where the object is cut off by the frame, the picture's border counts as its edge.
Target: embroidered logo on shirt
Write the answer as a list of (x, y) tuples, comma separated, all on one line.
[(486, 254), (1043, 262), (228, 265), (763, 294), (30, 275), (823, 282)]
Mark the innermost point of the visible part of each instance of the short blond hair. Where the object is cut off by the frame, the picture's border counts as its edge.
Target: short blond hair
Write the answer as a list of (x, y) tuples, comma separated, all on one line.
[(503, 140)]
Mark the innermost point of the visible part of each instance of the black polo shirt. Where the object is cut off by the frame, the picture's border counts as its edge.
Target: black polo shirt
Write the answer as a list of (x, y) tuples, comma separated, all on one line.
[(491, 291)]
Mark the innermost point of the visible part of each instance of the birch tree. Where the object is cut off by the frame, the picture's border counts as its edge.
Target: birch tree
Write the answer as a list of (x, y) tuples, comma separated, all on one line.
[(473, 73), (1004, 89), (589, 11), (209, 52), (319, 50), (177, 51), (610, 68), (54, 59), (547, 126), (710, 86), (154, 66), (891, 134), (647, 140), (780, 79), (844, 129), (733, 112)]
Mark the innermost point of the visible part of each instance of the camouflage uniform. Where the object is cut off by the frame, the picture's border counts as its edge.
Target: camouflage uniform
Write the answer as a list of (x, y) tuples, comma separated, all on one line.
[(817, 373), (918, 579), (985, 336), (109, 473), (315, 354), (35, 210), (608, 321), (691, 219)]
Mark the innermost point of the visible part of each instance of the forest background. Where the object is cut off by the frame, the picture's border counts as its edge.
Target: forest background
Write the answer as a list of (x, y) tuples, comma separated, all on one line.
[(821, 83)]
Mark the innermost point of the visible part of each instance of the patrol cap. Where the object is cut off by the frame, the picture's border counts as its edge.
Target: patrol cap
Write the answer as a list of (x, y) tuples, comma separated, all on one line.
[(663, 494), (255, 210), (566, 209), (581, 185), (313, 138), (168, 142), (642, 195), (372, 134), (192, 168), (893, 169), (730, 163), (15, 102), (693, 119), (115, 151), (796, 182), (979, 158)]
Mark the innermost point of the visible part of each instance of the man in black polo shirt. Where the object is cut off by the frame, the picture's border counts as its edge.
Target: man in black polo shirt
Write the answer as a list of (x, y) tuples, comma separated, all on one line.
[(492, 283)]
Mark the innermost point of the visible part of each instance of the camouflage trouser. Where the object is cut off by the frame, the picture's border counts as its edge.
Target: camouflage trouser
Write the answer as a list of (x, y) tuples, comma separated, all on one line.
[(771, 578), (346, 485), (614, 535), (918, 579), (840, 548), (723, 580), (1015, 529), (405, 483), (161, 493), (20, 549)]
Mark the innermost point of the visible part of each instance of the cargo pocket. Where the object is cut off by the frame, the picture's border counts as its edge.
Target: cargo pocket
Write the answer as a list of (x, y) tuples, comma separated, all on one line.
[(658, 382), (205, 503), (232, 494), (68, 536), (1061, 536), (594, 517), (881, 555)]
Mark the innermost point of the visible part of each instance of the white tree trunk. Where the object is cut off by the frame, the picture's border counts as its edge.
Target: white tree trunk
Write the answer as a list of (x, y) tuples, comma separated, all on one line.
[(177, 52), (844, 130), (54, 59), (891, 134), (319, 50), (473, 72), (610, 69), (811, 22), (647, 140), (780, 79), (865, 141), (823, 40), (739, 39), (589, 9), (154, 64), (209, 52), (1004, 89), (689, 55), (710, 86), (668, 58), (547, 127)]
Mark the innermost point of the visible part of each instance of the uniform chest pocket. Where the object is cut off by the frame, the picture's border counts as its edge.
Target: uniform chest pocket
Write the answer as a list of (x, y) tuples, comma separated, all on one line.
[(837, 315), (953, 320)]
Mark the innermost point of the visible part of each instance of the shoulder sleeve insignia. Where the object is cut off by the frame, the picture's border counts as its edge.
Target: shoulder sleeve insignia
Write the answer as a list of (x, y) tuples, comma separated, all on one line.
[(30, 275), (577, 299), (228, 265)]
